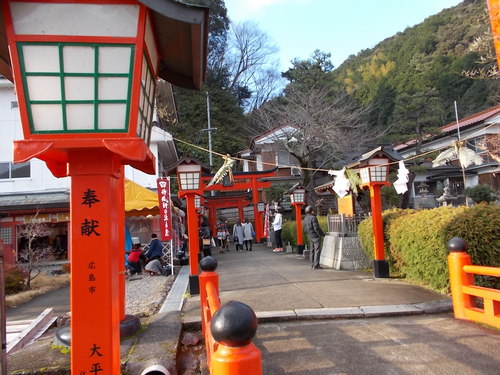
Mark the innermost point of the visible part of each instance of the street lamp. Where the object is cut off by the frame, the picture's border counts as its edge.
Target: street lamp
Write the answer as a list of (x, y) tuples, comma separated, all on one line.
[(374, 173), (197, 202), (189, 172), (297, 199), (298, 196), (261, 206), (85, 75)]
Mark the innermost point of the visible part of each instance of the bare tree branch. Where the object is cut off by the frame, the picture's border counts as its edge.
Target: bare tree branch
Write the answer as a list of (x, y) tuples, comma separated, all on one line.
[(314, 125)]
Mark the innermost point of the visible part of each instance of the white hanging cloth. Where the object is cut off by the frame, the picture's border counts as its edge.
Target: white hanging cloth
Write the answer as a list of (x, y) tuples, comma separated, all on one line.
[(401, 183), (342, 184)]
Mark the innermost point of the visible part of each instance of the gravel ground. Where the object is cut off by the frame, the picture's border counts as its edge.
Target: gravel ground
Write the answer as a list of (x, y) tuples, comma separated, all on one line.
[(145, 294)]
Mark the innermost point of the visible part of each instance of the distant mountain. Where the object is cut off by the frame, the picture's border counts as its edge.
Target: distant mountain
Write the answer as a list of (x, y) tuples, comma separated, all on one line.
[(412, 79)]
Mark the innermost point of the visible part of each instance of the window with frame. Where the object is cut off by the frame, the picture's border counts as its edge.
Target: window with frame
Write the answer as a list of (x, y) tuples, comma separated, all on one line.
[(6, 235), (9, 170)]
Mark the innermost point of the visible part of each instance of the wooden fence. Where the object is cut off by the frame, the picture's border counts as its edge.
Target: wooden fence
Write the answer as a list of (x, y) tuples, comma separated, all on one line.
[(228, 330), (465, 294)]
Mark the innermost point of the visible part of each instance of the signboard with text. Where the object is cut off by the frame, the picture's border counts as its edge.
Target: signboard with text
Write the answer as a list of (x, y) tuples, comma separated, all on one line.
[(163, 185), (266, 222)]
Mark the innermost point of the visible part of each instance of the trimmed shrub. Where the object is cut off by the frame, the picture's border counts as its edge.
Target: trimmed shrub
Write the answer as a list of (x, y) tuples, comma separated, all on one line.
[(15, 279), (365, 234), (479, 227), (480, 193), (415, 241), (289, 233), (417, 244)]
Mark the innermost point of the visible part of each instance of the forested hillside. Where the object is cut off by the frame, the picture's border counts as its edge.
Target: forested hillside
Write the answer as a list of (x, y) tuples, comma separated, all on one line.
[(412, 79), (404, 87)]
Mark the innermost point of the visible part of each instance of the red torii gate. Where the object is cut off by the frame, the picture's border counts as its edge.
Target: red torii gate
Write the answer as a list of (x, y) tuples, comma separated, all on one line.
[(226, 201), (242, 181)]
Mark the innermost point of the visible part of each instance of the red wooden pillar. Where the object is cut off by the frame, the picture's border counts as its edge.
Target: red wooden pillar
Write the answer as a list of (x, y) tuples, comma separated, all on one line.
[(298, 220), (95, 307), (241, 213), (193, 242), (381, 267), (120, 245), (212, 218)]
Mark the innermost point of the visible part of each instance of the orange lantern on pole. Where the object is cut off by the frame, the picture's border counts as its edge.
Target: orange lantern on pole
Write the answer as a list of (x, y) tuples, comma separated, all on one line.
[(297, 199), (85, 75), (189, 172), (374, 173)]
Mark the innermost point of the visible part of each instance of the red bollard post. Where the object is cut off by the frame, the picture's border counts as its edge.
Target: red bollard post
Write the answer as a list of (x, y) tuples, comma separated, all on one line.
[(233, 326), (457, 259), (208, 276)]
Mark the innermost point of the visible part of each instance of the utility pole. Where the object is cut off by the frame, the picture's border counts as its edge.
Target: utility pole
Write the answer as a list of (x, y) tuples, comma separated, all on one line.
[(209, 130)]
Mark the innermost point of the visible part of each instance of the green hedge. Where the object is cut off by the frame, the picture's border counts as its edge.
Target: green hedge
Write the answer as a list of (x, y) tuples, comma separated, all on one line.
[(415, 241), (365, 234)]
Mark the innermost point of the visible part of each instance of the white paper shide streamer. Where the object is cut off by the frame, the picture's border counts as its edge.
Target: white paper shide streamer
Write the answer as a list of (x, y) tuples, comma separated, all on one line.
[(342, 184), (401, 183)]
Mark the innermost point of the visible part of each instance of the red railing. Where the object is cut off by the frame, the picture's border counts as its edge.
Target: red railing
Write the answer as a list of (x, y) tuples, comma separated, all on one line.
[(228, 330), (465, 293)]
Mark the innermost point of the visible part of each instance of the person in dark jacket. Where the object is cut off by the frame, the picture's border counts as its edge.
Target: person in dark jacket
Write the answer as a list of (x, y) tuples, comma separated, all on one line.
[(314, 233), (205, 237), (155, 250)]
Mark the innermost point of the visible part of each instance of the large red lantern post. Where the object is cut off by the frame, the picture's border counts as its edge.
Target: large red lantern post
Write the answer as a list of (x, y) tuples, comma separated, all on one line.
[(189, 172), (85, 75), (297, 199), (374, 173)]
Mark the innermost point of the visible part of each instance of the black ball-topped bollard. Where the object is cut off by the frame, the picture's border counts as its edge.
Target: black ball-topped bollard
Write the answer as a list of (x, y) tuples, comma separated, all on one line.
[(456, 244), (208, 264), (234, 324)]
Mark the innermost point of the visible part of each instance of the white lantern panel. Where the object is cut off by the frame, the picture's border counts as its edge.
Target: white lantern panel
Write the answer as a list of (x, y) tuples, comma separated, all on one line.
[(79, 88), (78, 59), (80, 116), (44, 88), (41, 59), (151, 45), (117, 20), (364, 175), (114, 59), (144, 71), (378, 174), (189, 181), (47, 117), (147, 111), (151, 91), (112, 116), (149, 82), (113, 88), (141, 101), (139, 125)]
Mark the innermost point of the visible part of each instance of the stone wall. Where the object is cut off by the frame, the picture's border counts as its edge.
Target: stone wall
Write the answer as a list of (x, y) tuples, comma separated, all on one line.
[(343, 253)]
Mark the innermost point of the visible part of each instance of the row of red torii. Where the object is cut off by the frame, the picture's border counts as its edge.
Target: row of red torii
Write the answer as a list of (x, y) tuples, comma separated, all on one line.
[(194, 181)]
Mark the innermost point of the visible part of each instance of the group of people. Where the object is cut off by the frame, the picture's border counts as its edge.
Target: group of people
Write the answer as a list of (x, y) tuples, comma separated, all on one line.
[(242, 236), (150, 260)]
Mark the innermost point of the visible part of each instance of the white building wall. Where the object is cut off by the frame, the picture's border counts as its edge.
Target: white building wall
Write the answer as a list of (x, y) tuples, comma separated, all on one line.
[(10, 130), (41, 178)]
